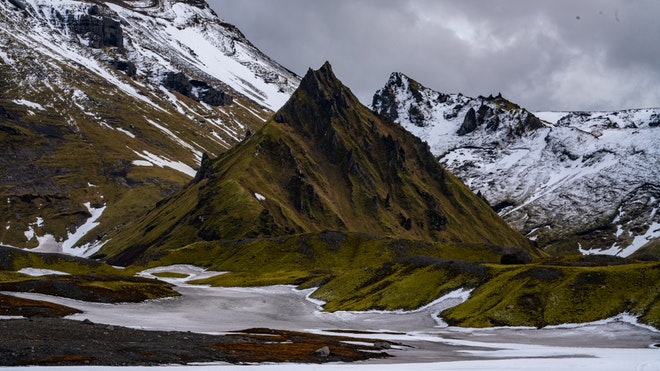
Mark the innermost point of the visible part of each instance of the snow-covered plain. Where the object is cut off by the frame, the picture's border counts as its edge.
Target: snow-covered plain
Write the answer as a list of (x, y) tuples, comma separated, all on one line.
[(427, 343)]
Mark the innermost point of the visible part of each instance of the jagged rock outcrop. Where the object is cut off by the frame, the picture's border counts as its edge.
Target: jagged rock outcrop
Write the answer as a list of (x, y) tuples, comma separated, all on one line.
[(98, 29), (196, 89), (654, 120), (469, 122)]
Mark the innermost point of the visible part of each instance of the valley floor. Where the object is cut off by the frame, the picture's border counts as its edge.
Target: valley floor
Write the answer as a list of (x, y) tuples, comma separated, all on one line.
[(426, 343)]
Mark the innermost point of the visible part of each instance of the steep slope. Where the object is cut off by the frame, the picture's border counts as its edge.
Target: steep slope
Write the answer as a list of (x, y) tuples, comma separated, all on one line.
[(323, 162), (106, 107), (585, 181)]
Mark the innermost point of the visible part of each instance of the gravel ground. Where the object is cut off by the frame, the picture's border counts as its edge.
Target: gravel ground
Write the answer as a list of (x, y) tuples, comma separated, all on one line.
[(55, 341)]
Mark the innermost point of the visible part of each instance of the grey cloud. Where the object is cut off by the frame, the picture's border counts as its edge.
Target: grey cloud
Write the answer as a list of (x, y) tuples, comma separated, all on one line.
[(560, 54)]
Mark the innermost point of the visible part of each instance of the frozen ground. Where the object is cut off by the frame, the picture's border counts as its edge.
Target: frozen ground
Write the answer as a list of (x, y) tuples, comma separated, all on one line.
[(427, 343)]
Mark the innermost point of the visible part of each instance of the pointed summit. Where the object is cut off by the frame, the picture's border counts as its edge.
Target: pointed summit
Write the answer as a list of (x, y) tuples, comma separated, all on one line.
[(321, 81), (324, 87), (324, 162), (319, 98)]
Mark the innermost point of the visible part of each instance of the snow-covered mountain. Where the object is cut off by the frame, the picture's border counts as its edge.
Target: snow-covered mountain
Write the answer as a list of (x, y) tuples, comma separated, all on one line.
[(153, 42), (110, 105), (587, 181)]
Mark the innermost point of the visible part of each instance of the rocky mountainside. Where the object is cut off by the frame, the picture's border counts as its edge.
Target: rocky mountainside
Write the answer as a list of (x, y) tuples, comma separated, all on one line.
[(323, 162), (572, 181), (106, 107)]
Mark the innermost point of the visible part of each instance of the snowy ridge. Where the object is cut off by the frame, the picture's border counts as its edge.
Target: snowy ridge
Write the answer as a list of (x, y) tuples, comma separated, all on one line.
[(169, 36), (144, 86), (194, 38), (568, 174), (152, 50)]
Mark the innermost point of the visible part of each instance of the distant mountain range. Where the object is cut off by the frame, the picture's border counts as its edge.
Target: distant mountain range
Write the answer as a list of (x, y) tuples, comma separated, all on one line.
[(571, 181)]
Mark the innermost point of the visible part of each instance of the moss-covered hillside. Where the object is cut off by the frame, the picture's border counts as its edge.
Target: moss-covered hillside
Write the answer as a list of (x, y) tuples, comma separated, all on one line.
[(323, 162), (361, 272), (73, 277)]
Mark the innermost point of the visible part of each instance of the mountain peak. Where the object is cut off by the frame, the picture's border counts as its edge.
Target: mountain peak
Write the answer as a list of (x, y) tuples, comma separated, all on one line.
[(324, 87), (324, 162), (320, 100), (324, 74)]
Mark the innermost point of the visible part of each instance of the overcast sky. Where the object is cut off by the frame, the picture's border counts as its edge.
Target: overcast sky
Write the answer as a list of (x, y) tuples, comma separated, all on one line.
[(544, 55)]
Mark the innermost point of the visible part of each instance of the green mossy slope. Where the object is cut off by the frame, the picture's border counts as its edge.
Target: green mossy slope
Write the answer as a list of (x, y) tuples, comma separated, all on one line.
[(71, 137), (542, 295), (84, 279), (361, 272), (323, 162), (352, 271)]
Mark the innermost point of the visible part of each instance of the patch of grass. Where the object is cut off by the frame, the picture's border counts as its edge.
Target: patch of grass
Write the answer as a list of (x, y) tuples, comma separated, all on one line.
[(359, 272), (249, 279), (15, 259), (91, 287), (170, 275)]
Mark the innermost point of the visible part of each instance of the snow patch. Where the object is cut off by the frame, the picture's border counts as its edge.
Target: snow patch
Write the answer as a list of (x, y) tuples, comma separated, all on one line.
[(141, 163), (126, 132), (49, 244), (174, 137), (192, 272), (155, 160), (552, 116), (36, 272), (653, 232), (27, 103)]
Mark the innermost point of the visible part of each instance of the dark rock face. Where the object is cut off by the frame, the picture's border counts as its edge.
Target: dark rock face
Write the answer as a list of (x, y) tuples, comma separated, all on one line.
[(487, 115), (532, 122), (177, 81), (416, 116), (205, 169), (127, 67), (17, 3), (514, 255), (654, 121), (100, 30), (469, 123), (208, 94), (195, 89), (384, 101)]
